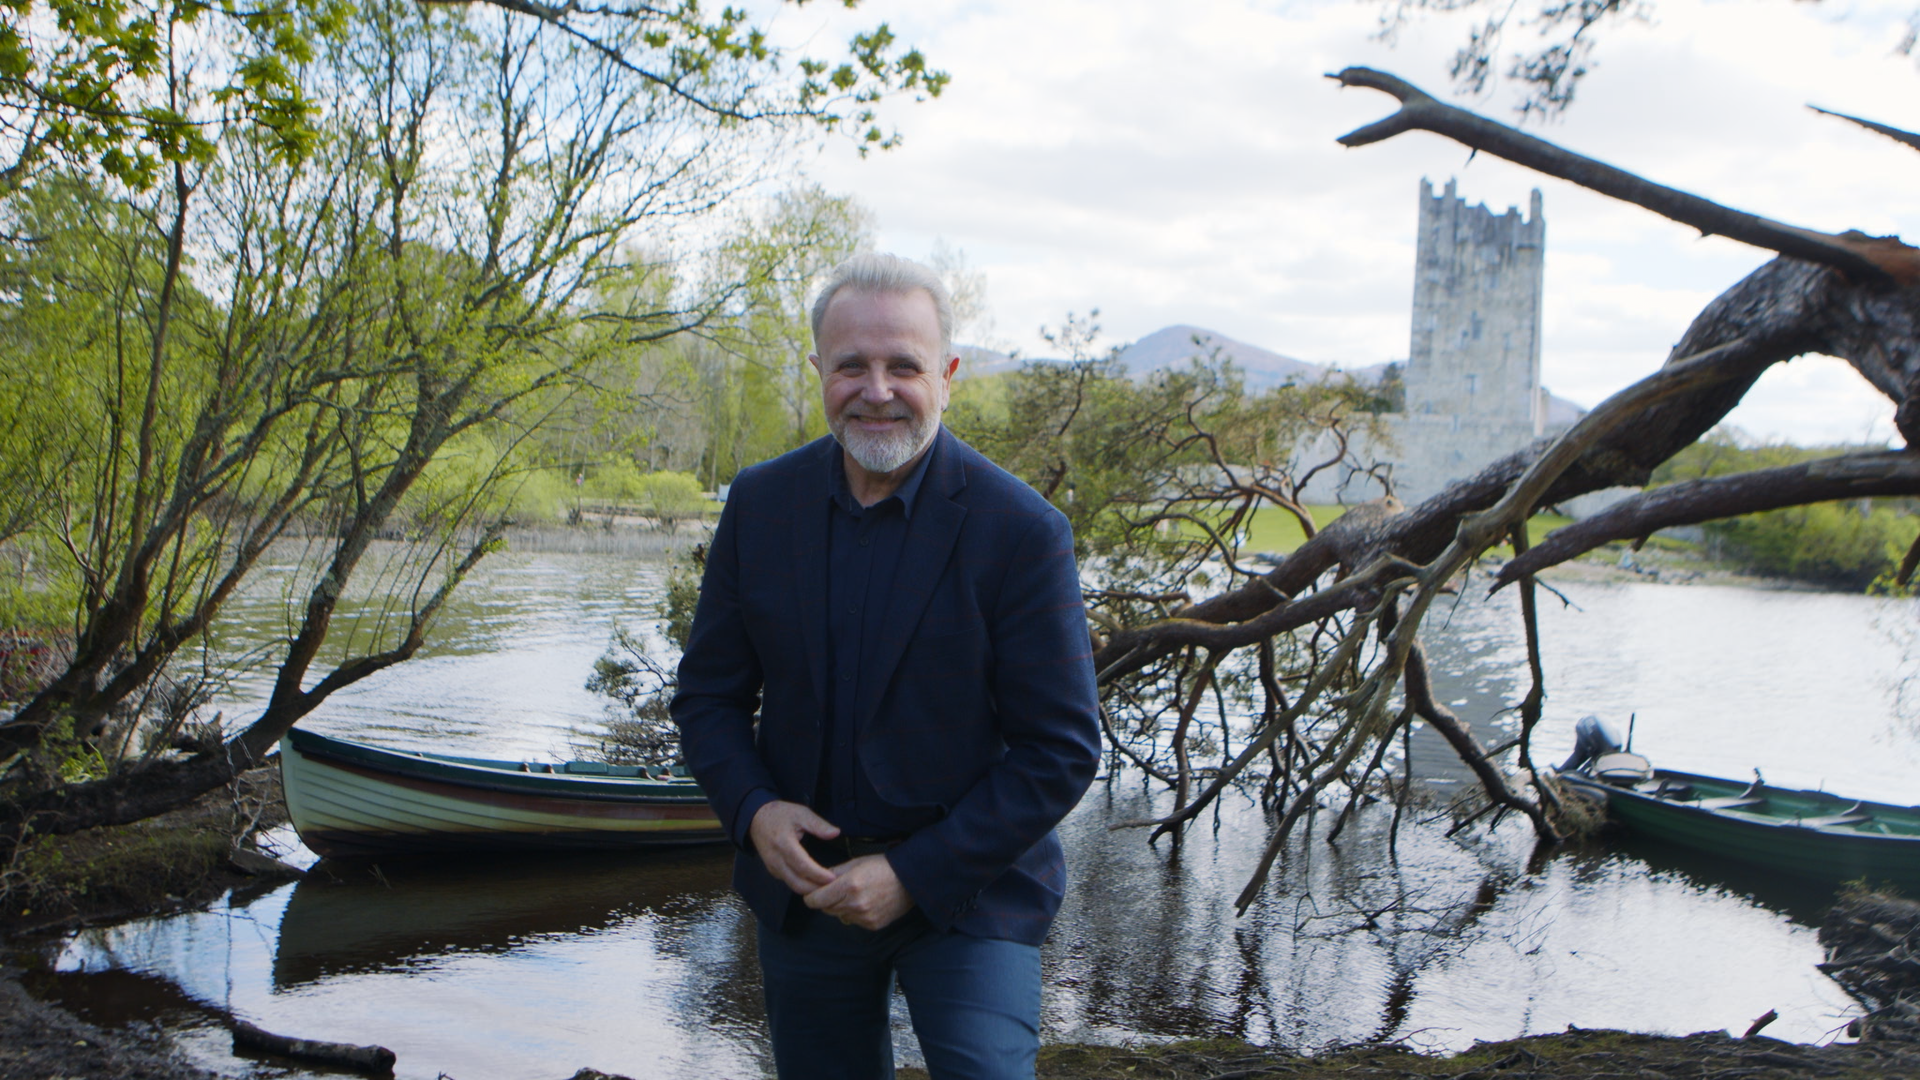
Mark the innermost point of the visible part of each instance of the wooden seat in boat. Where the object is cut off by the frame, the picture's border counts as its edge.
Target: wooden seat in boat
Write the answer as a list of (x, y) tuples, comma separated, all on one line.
[(1852, 815), (1753, 799), (1734, 802)]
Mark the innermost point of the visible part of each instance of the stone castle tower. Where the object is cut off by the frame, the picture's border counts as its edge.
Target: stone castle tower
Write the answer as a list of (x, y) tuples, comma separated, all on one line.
[(1473, 391)]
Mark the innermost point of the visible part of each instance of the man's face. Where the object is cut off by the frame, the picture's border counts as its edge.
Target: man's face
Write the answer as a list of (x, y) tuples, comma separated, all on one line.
[(883, 377)]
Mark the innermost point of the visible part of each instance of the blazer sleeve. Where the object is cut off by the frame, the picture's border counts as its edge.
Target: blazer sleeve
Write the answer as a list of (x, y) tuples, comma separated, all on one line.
[(719, 689), (1048, 711)]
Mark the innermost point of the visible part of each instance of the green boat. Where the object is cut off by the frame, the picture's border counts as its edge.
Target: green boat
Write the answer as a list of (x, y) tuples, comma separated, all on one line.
[(1809, 834)]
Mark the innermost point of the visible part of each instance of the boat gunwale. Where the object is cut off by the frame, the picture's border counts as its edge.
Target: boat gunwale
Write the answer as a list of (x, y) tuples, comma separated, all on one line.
[(1762, 821), (503, 777)]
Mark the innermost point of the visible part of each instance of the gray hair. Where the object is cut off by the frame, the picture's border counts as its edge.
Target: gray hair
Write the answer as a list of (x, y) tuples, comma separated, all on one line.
[(873, 271)]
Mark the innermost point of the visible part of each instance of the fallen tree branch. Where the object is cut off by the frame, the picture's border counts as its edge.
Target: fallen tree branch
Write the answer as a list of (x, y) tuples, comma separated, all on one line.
[(1894, 133), (370, 1059), (1861, 258), (1850, 476), (1164, 637), (1420, 697), (1323, 677)]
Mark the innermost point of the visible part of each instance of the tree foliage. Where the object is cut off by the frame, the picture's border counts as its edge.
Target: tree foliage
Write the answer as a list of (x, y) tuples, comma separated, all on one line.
[(343, 355), (113, 84), (1850, 544), (1557, 39)]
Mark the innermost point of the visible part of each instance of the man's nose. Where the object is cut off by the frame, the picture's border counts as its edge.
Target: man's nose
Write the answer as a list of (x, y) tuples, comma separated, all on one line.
[(877, 386)]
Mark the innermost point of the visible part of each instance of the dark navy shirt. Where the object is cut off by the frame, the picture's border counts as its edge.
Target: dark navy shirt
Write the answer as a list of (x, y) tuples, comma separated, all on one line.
[(864, 547)]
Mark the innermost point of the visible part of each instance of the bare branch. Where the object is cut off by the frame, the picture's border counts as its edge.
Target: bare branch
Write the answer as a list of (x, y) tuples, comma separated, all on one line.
[(1850, 476), (1863, 259), (1893, 133)]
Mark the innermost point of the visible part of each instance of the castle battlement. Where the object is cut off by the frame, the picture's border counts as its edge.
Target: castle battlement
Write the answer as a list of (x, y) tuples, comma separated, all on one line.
[(1472, 375)]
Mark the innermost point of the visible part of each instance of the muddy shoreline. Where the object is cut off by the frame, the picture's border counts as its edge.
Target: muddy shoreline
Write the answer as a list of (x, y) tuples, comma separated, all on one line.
[(39, 1041)]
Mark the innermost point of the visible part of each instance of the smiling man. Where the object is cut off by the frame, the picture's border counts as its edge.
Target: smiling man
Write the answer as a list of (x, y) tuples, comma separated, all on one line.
[(888, 695)]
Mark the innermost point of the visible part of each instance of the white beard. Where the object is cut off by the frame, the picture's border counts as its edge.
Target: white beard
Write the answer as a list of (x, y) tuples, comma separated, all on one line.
[(883, 453)]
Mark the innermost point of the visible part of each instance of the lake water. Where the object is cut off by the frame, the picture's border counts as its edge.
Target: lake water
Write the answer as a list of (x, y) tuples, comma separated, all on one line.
[(642, 964)]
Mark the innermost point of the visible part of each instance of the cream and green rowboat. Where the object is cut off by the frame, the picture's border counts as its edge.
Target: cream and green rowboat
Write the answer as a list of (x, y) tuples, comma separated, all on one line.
[(350, 799)]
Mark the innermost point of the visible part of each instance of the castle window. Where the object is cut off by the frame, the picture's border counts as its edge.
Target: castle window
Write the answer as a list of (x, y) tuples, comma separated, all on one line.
[(1473, 383)]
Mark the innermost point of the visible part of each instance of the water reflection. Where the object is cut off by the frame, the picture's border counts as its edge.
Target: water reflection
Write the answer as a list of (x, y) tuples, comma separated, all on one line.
[(1448, 944), (642, 964), (634, 964), (348, 918)]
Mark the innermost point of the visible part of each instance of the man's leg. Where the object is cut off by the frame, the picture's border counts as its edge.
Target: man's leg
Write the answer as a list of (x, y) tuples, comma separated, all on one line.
[(826, 991), (975, 1004)]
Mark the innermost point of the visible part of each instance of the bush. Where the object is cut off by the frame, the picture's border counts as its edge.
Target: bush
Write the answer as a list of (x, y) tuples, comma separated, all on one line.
[(1845, 544), (671, 497)]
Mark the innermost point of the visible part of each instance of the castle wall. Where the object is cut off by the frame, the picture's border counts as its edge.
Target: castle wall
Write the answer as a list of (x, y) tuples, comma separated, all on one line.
[(1473, 368)]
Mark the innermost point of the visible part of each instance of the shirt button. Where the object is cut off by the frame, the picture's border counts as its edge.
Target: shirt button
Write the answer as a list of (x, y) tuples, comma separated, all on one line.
[(865, 540)]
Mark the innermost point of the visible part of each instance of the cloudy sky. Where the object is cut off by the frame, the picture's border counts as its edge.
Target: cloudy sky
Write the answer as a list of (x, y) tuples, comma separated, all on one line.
[(1175, 163)]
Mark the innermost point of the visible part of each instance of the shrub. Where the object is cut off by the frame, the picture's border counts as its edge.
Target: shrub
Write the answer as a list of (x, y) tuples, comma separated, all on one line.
[(1845, 544), (671, 497)]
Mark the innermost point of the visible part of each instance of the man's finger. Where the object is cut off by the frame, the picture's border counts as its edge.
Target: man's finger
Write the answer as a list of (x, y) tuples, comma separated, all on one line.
[(778, 830), (788, 860), (825, 897), (865, 892)]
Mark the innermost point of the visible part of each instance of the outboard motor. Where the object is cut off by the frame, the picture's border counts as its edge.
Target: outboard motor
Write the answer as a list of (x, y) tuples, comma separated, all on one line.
[(1591, 738)]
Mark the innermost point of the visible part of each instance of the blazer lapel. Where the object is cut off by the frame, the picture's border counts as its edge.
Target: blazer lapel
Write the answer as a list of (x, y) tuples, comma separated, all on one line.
[(931, 534), (810, 523)]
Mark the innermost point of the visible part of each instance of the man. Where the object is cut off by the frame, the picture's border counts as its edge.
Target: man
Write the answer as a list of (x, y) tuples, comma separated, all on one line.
[(905, 618)]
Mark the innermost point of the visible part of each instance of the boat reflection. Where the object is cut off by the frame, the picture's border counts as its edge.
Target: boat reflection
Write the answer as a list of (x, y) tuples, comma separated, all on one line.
[(1801, 900), (351, 917)]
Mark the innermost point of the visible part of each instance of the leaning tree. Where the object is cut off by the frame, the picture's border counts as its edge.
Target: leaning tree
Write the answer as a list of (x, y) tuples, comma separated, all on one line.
[(1357, 593)]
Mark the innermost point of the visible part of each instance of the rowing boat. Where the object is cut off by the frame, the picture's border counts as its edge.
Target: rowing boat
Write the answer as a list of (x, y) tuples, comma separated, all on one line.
[(1809, 834), (350, 799)]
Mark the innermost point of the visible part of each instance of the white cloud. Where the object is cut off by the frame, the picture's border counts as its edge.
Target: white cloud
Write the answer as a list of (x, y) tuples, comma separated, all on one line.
[(1177, 165)]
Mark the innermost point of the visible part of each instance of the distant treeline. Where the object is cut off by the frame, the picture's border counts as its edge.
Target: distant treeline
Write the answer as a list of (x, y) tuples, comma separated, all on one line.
[(1856, 544)]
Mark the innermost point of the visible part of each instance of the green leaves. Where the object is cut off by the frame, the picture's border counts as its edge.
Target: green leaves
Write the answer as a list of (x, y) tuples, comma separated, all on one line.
[(112, 85)]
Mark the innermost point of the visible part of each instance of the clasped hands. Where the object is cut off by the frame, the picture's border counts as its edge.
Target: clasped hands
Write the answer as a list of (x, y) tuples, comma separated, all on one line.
[(860, 892)]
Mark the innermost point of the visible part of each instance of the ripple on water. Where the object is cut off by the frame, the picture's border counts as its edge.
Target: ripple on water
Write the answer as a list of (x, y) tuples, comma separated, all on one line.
[(643, 964)]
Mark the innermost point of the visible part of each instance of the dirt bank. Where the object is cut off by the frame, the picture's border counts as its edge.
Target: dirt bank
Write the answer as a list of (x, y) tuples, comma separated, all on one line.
[(40, 1042), (1573, 1054), (186, 858)]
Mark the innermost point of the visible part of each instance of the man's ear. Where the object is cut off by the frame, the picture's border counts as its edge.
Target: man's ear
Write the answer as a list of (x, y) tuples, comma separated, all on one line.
[(814, 359)]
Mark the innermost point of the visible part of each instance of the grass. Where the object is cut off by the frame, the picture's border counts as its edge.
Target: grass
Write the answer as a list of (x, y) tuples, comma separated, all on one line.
[(131, 868)]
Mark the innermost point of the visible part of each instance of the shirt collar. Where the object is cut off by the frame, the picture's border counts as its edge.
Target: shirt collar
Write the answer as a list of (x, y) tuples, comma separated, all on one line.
[(909, 490)]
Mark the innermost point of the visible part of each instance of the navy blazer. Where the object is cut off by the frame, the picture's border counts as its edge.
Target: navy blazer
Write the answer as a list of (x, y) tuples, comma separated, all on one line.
[(979, 728)]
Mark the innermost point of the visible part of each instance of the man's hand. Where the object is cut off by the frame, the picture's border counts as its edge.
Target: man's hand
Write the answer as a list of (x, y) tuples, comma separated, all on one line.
[(776, 832), (865, 892)]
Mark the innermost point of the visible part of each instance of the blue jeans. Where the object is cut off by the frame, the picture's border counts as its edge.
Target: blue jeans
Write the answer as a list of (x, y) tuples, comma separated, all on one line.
[(975, 1002)]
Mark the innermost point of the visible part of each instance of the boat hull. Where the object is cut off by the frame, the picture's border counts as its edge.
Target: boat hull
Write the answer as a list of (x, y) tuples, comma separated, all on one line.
[(348, 800), (1784, 833)]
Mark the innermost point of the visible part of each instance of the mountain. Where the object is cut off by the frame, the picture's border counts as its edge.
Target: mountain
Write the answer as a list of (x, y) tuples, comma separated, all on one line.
[(1173, 346)]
